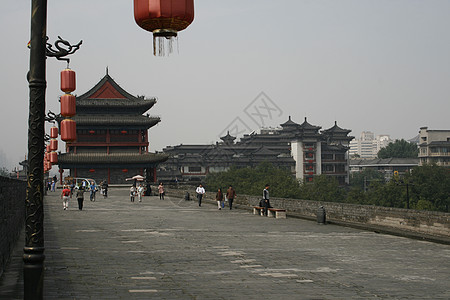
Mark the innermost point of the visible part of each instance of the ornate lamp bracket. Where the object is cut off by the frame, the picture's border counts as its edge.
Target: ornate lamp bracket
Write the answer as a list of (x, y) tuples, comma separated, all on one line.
[(63, 48), (52, 117)]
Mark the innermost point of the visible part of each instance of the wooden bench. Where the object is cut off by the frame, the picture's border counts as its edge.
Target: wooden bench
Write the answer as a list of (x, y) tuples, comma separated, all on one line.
[(277, 213), (272, 212)]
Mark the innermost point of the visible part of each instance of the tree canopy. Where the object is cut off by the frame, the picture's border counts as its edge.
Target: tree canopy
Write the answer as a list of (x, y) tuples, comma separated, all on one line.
[(399, 149), (425, 188)]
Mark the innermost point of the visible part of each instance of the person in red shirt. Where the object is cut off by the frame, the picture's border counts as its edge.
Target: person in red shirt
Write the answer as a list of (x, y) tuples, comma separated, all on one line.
[(65, 195)]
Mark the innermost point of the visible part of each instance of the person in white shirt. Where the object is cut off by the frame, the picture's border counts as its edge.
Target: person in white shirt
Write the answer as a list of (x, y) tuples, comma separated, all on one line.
[(200, 192), (140, 192)]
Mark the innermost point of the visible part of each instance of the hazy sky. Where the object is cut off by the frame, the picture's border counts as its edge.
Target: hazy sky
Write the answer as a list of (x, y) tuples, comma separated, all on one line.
[(376, 65)]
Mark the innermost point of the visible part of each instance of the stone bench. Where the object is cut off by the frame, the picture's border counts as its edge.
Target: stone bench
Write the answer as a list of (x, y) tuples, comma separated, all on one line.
[(277, 213), (272, 212), (258, 210)]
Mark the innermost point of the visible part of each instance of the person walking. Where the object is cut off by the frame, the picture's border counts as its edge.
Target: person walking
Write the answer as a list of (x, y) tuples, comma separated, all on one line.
[(105, 189), (231, 194), (65, 194), (93, 188), (200, 192), (161, 191), (266, 201), (219, 198), (132, 193), (140, 192), (80, 197)]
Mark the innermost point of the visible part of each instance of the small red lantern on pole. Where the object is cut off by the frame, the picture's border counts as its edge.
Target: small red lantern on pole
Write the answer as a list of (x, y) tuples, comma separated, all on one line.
[(68, 130), (53, 157), (164, 18), (53, 144), (54, 132)]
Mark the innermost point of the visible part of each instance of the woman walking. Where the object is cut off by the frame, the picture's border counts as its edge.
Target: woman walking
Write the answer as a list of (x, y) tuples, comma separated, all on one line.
[(219, 198), (161, 191)]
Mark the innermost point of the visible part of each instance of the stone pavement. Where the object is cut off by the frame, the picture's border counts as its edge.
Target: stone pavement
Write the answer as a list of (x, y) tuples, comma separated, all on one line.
[(173, 249)]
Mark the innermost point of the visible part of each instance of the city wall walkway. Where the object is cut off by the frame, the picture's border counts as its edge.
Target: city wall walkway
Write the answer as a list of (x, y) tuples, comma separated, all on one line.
[(174, 249)]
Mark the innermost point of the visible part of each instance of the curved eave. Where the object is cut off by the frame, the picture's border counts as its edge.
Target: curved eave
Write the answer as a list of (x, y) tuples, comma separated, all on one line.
[(116, 120), (116, 158), (91, 105)]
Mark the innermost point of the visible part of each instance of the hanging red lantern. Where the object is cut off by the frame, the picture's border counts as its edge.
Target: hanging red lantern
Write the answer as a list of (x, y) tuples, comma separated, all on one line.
[(54, 132), (68, 84), (53, 157), (68, 130), (47, 148), (164, 18), (47, 156), (68, 105), (53, 144)]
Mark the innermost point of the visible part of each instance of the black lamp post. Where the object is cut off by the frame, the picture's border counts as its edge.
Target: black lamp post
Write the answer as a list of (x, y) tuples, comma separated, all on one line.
[(33, 269)]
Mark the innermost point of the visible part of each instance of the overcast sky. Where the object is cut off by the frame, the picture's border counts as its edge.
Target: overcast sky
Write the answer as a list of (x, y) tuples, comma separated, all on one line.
[(376, 65)]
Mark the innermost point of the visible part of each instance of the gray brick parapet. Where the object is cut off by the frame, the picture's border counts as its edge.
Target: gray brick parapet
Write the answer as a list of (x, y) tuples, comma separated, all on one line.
[(12, 216)]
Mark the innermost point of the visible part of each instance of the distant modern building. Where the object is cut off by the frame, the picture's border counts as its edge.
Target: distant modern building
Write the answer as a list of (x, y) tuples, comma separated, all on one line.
[(434, 147), (367, 146), (112, 136), (300, 148)]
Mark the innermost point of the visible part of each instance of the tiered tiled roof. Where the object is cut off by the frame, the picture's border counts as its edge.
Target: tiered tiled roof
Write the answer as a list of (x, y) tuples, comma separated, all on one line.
[(108, 95), (113, 158), (116, 120)]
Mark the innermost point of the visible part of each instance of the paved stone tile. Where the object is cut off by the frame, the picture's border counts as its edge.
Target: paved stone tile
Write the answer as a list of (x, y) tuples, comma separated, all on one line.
[(173, 249)]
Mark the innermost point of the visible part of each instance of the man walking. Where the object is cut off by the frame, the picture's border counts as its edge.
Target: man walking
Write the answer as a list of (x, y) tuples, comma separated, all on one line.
[(266, 199), (231, 193), (200, 192), (65, 194)]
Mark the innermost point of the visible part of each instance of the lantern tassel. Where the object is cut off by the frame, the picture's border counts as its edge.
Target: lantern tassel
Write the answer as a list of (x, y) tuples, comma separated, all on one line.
[(162, 44)]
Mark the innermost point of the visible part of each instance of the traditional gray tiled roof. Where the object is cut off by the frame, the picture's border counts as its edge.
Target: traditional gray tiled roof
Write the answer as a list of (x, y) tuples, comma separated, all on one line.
[(115, 158), (289, 122), (306, 126), (385, 162), (116, 120), (336, 129), (125, 101), (138, 103)]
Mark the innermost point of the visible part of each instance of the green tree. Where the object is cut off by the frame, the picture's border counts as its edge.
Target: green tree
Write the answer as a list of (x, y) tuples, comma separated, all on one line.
[(430, 187), (400, 149), (251, 181), (365, 178), (323, 188)]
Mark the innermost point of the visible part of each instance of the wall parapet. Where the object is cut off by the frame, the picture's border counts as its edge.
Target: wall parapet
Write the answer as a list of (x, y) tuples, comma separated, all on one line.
[(12, 216)]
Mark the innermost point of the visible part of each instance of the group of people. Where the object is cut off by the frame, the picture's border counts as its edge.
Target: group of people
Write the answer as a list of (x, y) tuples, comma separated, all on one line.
[(70, 189), (231, 194), (229, 197), (137, 191)]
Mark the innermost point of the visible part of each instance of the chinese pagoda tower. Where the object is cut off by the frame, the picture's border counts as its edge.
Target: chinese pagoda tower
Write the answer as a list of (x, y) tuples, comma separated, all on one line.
[(112, 136)]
